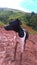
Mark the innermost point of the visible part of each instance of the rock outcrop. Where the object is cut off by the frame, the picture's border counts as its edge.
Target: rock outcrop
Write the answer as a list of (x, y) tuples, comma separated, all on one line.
[(8, 41)]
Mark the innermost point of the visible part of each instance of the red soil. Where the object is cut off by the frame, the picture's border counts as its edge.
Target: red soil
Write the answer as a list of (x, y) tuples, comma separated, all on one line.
[(7, 49)]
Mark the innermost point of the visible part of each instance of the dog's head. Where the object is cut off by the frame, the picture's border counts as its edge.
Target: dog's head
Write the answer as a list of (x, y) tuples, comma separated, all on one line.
[(15, 22)]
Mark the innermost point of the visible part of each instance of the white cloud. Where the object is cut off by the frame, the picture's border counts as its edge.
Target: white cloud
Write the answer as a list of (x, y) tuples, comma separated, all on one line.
[(13, 4), (10, 3), (24, 9)]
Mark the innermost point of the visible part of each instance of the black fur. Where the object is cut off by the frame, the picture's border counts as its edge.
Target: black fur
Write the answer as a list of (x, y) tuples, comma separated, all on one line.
[(15, 25)]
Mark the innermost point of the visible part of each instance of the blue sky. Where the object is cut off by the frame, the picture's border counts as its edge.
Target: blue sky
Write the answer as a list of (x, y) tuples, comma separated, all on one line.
[(30, 5), (24, 5)]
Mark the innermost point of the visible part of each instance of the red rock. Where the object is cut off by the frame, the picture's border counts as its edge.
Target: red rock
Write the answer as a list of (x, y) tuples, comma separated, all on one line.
[(8, 46)]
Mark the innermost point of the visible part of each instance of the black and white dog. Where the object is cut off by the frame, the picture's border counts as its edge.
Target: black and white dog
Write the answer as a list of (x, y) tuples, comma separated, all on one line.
[(16, 26)]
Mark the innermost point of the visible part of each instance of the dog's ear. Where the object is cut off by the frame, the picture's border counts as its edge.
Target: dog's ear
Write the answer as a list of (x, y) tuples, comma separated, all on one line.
[(18, 20)]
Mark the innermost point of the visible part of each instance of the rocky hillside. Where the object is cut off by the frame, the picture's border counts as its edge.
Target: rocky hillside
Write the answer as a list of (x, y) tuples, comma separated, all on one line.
[(8, 40)]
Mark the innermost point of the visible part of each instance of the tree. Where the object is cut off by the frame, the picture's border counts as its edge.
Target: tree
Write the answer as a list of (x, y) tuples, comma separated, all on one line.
[(31, 20)]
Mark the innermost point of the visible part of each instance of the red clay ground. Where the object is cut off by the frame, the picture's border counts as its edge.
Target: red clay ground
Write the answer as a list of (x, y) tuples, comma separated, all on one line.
[(7, 49)]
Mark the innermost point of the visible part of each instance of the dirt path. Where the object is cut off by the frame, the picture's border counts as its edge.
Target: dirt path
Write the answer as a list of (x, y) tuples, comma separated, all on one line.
[(7, 49)]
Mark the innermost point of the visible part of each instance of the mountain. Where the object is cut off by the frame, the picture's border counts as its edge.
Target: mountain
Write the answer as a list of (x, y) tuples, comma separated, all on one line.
[(9, 9)]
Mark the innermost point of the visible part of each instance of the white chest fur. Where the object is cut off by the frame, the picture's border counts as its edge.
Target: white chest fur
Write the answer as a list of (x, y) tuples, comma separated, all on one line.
[(22, 41)]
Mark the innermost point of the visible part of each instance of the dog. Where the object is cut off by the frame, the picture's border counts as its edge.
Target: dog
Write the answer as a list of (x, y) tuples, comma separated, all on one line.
[(15, 24)]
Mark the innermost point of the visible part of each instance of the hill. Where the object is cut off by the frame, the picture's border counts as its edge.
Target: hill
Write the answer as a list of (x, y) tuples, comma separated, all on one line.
[(27, 18)]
